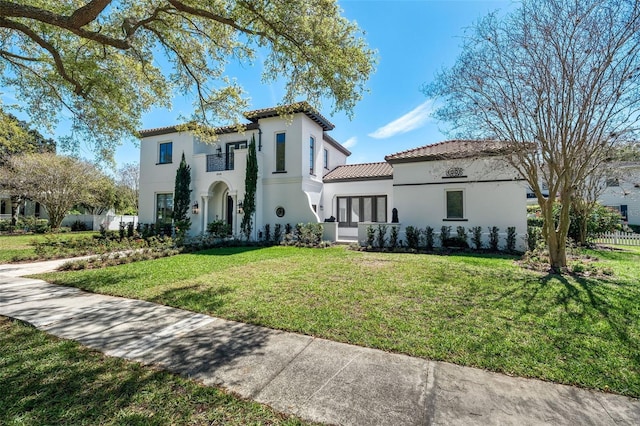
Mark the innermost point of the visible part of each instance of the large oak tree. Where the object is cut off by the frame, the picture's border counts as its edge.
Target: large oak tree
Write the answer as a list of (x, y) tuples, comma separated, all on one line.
[(559, 79), (109, 61)]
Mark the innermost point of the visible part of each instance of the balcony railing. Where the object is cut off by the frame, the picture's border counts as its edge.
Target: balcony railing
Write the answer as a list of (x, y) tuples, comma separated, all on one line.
[(219, 162)]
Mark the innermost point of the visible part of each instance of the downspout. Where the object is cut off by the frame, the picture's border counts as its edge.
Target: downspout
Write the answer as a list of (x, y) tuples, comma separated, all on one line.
[(259, 139)]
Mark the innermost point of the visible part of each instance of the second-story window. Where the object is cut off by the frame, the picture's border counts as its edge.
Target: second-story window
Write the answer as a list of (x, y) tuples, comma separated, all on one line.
[(326, 158), (165, 153), (312, 155), (280, 152)]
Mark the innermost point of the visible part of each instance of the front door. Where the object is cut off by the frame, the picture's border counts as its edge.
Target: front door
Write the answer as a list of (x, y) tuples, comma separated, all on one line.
[(230, 211)]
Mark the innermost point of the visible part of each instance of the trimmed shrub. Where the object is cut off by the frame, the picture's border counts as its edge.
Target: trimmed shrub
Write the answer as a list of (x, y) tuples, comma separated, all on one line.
[(381, 239), (494, 237), (393, 237), (371, 235), (428, 238), (511, 238), (412, 235), (445, 234), (476, 237)]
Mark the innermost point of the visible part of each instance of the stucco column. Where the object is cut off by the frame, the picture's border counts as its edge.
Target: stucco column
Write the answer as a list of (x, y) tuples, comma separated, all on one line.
[(205, 212)]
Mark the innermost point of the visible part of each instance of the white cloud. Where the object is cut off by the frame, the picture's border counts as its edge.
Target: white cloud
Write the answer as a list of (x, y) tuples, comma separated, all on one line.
[(351, 142), (412, 120)]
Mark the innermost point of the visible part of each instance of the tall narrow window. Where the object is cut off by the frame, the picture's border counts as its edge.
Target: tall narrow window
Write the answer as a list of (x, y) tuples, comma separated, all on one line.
[(164, 208), (165, 155), (455, 204), (3, 207), (312, 155), (326, 158), (280, 152)]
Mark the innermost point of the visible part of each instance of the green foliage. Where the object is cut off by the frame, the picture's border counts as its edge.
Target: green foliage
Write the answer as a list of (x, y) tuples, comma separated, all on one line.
[(476, 237), (102, 66), (250, 185), (381, 239), (511, 238), (412, 235), (445, 234), (182, 198), (428, 236), (393, 237), (371, 235), (306, 235), (534, 237), (219, 229), (494, 238)]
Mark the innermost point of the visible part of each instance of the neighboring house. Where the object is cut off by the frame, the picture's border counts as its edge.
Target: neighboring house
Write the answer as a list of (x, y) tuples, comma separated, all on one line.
[(303, 178), (623, 192)]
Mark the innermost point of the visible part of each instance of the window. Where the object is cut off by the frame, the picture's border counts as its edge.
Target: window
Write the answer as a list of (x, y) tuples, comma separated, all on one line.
[(312, 154), (352, 210), (280, 152), (326, 158), (165, 155), (230, 151), (613, 182), (164, 208), (455, 204)]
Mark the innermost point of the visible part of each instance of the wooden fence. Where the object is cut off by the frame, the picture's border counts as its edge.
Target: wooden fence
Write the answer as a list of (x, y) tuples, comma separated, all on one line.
[(619, 238)]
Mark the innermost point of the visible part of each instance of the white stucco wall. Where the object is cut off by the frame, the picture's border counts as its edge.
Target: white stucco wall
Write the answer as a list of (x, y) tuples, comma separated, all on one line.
[(332, 190), (491, 195)]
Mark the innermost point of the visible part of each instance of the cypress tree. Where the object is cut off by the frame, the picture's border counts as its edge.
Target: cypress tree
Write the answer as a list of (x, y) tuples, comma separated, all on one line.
[(182, 198), (250, 184)]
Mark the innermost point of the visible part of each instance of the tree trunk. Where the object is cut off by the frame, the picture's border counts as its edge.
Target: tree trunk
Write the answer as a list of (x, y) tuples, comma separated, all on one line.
[(16, 201), (556, 235)]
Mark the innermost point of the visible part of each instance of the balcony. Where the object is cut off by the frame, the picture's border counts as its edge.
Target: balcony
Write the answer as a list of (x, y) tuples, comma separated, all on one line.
[(220, 162)]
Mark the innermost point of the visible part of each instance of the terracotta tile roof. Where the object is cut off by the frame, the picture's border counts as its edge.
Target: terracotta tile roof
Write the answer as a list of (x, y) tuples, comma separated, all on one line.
[(366, 171), (174, 129), (302, 107), (450, 150), (336, 144)]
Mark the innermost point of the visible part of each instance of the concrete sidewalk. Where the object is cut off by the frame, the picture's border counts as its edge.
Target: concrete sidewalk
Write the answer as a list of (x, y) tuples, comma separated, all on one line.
[(315, 379)]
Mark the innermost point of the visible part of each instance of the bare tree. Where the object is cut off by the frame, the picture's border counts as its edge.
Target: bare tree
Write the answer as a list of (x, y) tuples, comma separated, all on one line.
[(56, 182), (558, 79)]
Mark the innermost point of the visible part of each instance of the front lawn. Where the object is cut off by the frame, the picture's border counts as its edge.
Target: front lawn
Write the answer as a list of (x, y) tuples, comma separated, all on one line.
[(474, 310), (49, 381), (21, 245)]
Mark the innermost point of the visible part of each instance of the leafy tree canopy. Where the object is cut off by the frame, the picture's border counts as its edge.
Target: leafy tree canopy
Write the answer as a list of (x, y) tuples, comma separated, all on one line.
[(100, 59), (16, 137)]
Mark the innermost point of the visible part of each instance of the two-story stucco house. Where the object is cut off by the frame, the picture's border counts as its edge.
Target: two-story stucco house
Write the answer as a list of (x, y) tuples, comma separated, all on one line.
[(303, 177)]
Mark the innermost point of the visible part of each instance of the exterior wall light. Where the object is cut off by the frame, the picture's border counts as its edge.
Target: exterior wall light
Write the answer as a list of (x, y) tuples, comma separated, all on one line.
[(195, 209), (240, 207)]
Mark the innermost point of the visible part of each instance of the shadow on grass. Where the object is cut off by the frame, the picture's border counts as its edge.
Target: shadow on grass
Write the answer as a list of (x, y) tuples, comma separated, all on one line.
[(228, 251), (195, 298), (49, 381)]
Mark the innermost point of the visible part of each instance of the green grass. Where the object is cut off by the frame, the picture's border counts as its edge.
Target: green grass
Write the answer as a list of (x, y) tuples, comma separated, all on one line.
[(474, 310), (22, 245), (45, 380)]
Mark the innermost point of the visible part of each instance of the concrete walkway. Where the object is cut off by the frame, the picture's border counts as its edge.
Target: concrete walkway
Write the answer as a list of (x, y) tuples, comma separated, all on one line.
[(312, 378)]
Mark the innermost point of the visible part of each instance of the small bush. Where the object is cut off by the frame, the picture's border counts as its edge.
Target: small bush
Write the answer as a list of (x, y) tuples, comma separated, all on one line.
[(267, 233), (78, 226), (277, 233), (462, 234), (494, 237), (534, 237), (511, 238), (412, 235), (219, 229), (445, 234), (428, 237), (371, 235), (476, 237), (381, 239), (393, 237)]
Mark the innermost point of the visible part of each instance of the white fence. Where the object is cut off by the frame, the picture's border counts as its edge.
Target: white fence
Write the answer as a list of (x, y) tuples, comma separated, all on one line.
[(619, 238)]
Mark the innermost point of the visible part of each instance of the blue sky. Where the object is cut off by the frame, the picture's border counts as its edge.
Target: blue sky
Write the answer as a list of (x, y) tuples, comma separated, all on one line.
[(414, 40)]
